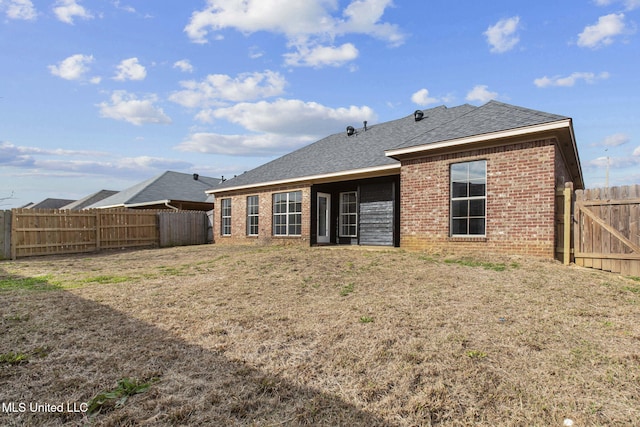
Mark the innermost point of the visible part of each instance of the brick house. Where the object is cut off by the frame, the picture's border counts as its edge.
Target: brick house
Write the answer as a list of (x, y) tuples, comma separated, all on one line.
[(444, 179)]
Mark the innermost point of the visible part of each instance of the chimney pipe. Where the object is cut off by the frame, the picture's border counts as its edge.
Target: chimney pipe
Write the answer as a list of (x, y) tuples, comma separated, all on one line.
[(365, 125)]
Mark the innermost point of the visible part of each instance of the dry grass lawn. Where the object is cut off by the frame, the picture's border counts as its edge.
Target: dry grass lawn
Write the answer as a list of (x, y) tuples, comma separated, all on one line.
[(316, 336)]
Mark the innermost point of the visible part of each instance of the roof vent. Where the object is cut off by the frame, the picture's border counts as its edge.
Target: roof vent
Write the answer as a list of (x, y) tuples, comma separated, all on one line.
[(195, 176), (418, 115), (350, 130)]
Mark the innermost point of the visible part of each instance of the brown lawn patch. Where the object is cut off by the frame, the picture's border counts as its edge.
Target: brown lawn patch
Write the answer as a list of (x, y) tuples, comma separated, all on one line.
[(317, 336)]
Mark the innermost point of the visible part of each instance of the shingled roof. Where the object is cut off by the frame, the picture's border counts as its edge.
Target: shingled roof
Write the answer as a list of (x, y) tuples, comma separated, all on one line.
[(164, 187), (376, 146)]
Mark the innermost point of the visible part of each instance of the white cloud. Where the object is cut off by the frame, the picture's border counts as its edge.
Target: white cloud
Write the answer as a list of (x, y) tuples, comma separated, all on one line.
[(127, 107), (241, 145), (629, 4), (319, 56), (422, 98), (216, 89), (129, 9), (292, 117), (67, 10), (308, 25), (570, 80), (636, 152), (74, 68), (602, 33), (19, 9), (276, 127), (481, 93), (614, 162), (184, 65), (502, 36), (616, 140), (130, 69)]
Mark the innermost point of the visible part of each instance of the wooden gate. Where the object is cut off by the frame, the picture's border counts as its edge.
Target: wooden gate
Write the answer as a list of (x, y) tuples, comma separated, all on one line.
[(183, 228), (607, 229)]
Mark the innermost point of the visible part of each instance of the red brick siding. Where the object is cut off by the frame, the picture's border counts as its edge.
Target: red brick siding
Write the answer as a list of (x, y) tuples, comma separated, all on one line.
[(265, 218), (520, 201), (562, 172)]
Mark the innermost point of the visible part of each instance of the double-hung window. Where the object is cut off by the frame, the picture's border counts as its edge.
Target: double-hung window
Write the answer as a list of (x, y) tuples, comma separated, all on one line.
[(225, 217), (468, 198), (348, 220), (287, 214), (252, 215)]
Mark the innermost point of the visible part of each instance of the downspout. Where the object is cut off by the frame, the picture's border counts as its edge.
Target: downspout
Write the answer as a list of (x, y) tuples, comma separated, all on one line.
[(166, 203)]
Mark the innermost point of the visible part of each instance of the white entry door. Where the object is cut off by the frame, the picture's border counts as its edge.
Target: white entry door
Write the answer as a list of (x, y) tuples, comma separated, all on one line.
[(324, 218)]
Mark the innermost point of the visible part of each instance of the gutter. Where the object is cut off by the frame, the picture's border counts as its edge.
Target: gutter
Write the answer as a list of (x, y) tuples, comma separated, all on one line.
[(398, 152), (311, 179)]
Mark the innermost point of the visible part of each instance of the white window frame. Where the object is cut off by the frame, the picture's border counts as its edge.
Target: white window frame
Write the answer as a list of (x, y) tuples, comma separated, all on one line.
[(291, 199), (253, 215), (351, 215), (225, 217), (468, 198)]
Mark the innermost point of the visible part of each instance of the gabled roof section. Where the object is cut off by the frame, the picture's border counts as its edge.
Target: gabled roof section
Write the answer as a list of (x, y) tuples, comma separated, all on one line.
[(164, 187), (89, 200), (378, 149), (490, 118), (339, 154), (50, 204)]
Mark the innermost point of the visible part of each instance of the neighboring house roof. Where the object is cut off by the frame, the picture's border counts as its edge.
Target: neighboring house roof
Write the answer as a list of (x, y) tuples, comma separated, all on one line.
[(89, 200), (166, 187), (50, 204), (379, 147)]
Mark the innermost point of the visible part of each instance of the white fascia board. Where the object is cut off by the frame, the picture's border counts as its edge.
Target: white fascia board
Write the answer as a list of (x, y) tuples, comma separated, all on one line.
[(310, 178), (566, 123), (121, 205), (137, 205)]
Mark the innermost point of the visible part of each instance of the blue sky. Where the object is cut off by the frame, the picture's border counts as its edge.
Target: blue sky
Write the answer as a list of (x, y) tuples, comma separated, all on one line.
[(104, 94)]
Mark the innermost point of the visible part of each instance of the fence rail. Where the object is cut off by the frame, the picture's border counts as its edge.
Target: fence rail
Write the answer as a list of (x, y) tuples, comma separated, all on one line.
[(35, 232)]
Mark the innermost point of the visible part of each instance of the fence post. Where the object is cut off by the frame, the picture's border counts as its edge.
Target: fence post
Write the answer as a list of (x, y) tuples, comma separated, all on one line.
[(568, 223), (5, 234), (14, 233), (98, 230)]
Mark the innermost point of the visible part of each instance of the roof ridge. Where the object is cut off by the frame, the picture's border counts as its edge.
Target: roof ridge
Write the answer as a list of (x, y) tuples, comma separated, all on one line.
[(443, 123)]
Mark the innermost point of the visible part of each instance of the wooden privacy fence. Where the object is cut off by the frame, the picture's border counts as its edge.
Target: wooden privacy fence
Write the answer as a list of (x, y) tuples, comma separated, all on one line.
[(183, 228), (37, 232), (607, 229)]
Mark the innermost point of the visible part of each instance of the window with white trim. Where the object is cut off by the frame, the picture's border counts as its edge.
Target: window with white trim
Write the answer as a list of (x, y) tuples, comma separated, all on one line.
[(225, 217), (253, 210), (468, 198), (287, 214), (348, 220)]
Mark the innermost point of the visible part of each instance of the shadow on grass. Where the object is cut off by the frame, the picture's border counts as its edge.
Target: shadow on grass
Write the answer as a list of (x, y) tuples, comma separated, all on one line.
[(78, 348)]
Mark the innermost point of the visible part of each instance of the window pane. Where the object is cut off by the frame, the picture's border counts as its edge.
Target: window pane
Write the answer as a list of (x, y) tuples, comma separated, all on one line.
[(477, 170), (459, 189), (459, 208), (459, 226), (459, 172), (476, 226), (476, 207), (476, 189)]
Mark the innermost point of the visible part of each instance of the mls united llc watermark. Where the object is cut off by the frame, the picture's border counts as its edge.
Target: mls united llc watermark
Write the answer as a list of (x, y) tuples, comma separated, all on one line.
[(33, 407)]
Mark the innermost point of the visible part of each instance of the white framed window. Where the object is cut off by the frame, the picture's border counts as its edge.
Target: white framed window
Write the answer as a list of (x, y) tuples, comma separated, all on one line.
[(469, 198), (287, 214), (225, 217), (253, 210), (348, 220)]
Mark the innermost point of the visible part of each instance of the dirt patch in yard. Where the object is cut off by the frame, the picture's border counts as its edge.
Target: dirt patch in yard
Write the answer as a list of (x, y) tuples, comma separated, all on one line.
[(315, 336)]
